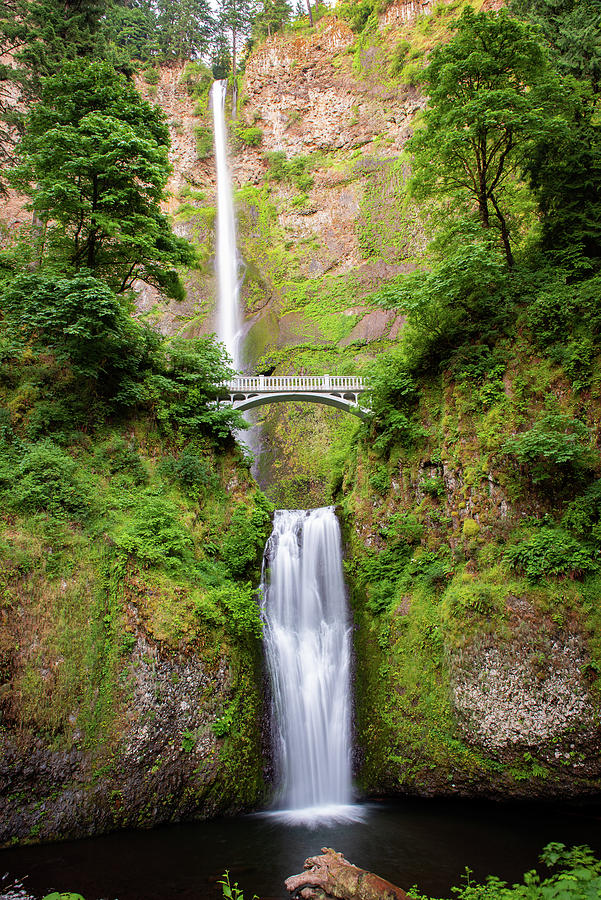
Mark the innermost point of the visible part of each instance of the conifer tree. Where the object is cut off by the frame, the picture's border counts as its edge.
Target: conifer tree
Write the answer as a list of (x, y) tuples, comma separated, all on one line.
[(235, 17), (273, 16), (185, 27), (131, 27), (566, 172)]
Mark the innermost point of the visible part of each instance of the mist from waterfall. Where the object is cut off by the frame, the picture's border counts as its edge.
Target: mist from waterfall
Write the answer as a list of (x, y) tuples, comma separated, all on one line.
[(307, 646), (226, 262)]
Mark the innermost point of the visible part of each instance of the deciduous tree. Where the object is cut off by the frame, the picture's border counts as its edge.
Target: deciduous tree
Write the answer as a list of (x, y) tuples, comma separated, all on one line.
[(490, 94), (94, 162)]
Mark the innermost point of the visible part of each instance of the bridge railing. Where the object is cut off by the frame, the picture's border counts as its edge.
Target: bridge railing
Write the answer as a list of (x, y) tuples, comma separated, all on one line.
[(277, 383)]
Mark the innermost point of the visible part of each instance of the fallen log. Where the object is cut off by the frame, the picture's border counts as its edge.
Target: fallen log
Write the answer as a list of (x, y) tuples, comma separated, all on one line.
[(332, 877)]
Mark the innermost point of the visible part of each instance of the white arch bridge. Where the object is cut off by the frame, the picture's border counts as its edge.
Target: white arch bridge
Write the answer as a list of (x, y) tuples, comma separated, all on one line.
[(341, 391)]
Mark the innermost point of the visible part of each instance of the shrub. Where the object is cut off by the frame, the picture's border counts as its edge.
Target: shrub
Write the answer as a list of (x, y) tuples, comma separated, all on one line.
[(399, 57), (583, 514), (193, 472), (45, 479), (379, 480), (471, 595), (124, 459), (222, 726), (380, 596), (393, 397), (433, 486), (83, 323), (248, 136), (296, 171), (552, 551), (56, 417), (577, 876), (554, 448), (403, 529), (432, 567), (462, 299), (239, 603), (183, 388), (565, 320), (198, 79), (204, 141), (152, 75), (356, 12), (155, 534), (246, 535)]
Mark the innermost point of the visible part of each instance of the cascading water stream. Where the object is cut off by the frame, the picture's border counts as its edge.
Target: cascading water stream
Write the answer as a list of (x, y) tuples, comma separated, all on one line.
[(228, 310), (307, 646), (227, 262)]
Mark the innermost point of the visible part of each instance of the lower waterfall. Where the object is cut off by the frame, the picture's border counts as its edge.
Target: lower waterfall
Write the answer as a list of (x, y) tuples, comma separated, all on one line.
[(307, 646)]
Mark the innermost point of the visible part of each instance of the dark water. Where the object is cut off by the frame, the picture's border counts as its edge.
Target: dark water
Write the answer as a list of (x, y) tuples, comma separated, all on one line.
[(427, 843)]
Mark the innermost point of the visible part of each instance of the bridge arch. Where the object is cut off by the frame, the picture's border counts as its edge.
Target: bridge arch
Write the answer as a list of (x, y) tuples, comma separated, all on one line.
[(348, 404), (340, 391)]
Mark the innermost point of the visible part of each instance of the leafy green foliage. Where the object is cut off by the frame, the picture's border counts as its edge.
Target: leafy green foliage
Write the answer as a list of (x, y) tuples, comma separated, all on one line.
[(155, 534), (565, 317), (433, 568), (124, 459), (552, 551), (94, 162), (232, 891), (248, 136), (555, 448), (433, 486), (78, 319), (380, 571), (491, 94), (572, 29), (578, 878), (239, 603), (246, 535), (44, 478), (566, 173), (183, 387), (583, 515), (463, 298), (296, 171), (392, 397), (64, 895), (473, 597), (108, 354), (193, 472), (204, 141), (356, 13), (380, 480)]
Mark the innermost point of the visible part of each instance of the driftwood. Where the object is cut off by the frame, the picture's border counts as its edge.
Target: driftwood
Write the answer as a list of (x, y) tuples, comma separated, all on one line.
[(332, 877)]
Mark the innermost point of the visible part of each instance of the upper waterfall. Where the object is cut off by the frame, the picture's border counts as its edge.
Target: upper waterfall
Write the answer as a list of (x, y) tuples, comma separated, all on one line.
[(228, 312)]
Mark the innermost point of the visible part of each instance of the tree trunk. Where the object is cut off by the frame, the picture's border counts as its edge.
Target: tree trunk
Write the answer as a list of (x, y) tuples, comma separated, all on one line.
[(504, 233), (332, 877), (310, 12)]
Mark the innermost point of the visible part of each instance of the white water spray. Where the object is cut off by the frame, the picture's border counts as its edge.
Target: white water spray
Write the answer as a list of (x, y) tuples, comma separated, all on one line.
[(228, 312), (307, 645)]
